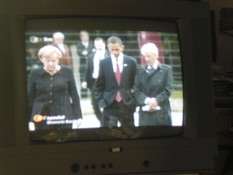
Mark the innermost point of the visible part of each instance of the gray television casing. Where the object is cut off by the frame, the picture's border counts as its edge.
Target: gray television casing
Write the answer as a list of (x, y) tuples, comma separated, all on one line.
[(192, 151)]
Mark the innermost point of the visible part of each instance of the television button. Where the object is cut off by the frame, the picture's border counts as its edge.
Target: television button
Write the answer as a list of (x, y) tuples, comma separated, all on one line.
[(93, 166), (110, 165), (146, 163), (86, 167), (103, 166), (74, 167)]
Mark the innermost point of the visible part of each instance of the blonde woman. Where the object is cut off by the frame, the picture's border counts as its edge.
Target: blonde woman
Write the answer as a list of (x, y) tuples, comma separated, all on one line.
[(52, 90)]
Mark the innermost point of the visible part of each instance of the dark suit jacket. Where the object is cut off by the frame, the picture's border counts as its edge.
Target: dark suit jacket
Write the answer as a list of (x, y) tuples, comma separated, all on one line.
[(90, 68), (50, 95), (81, 48), (158, 84), (106, 85)]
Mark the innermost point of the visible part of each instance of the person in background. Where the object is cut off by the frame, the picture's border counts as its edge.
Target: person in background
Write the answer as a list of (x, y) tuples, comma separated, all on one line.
[(58, 41), (92, 72), (113, 87), (52, 88), (153, 86), (84, 48)]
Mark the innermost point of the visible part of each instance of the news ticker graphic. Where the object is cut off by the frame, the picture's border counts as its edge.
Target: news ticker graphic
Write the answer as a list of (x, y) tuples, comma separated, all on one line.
[(50, 120)]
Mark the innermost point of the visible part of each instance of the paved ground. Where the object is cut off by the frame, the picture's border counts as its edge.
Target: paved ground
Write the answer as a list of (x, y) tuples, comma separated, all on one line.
[(90, 121)]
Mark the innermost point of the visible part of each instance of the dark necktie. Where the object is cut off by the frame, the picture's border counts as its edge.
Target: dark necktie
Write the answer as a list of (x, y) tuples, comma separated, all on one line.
[(118, 78)]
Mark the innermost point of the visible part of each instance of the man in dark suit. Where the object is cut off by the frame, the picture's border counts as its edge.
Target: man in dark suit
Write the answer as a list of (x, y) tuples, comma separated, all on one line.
[(84, 48), (92, 72), (113, 88), (153, 86)]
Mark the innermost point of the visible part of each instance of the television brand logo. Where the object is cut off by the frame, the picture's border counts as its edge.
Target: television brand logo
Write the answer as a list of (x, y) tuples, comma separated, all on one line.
[(116, 149)]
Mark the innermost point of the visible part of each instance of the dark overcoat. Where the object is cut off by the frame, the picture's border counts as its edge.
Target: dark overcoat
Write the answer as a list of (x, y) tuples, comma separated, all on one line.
[(155, 83)]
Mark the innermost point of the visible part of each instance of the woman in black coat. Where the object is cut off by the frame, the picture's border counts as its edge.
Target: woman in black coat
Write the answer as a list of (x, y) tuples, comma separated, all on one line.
[(52, 91), (153, 86)]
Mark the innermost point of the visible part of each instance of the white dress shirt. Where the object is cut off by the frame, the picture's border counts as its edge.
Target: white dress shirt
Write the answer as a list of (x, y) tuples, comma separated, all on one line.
[(118, 60), (155, 65), (85, 43), (99, 55), (62, 47)]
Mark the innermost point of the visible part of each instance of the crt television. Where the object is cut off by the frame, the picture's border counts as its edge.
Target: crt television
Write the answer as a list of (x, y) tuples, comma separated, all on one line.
[(181, 31)]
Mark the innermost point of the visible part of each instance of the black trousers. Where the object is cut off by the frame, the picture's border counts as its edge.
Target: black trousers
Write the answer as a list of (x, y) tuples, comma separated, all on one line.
[(118, 112), (96, 108)]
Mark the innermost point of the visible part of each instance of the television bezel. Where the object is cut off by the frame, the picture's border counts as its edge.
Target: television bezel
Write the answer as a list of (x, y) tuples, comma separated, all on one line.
[(191, 152)]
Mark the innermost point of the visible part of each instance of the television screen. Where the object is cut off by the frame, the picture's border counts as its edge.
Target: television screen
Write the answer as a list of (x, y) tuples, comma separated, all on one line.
[(65, 93)]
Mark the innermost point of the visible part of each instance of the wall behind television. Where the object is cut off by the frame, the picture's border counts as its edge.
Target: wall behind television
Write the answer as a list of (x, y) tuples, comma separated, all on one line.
[(224, 42)]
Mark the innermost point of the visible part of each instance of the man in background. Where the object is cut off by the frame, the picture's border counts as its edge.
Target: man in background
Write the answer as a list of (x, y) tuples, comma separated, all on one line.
[(92, 72), (84, 48), (58, 41)]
